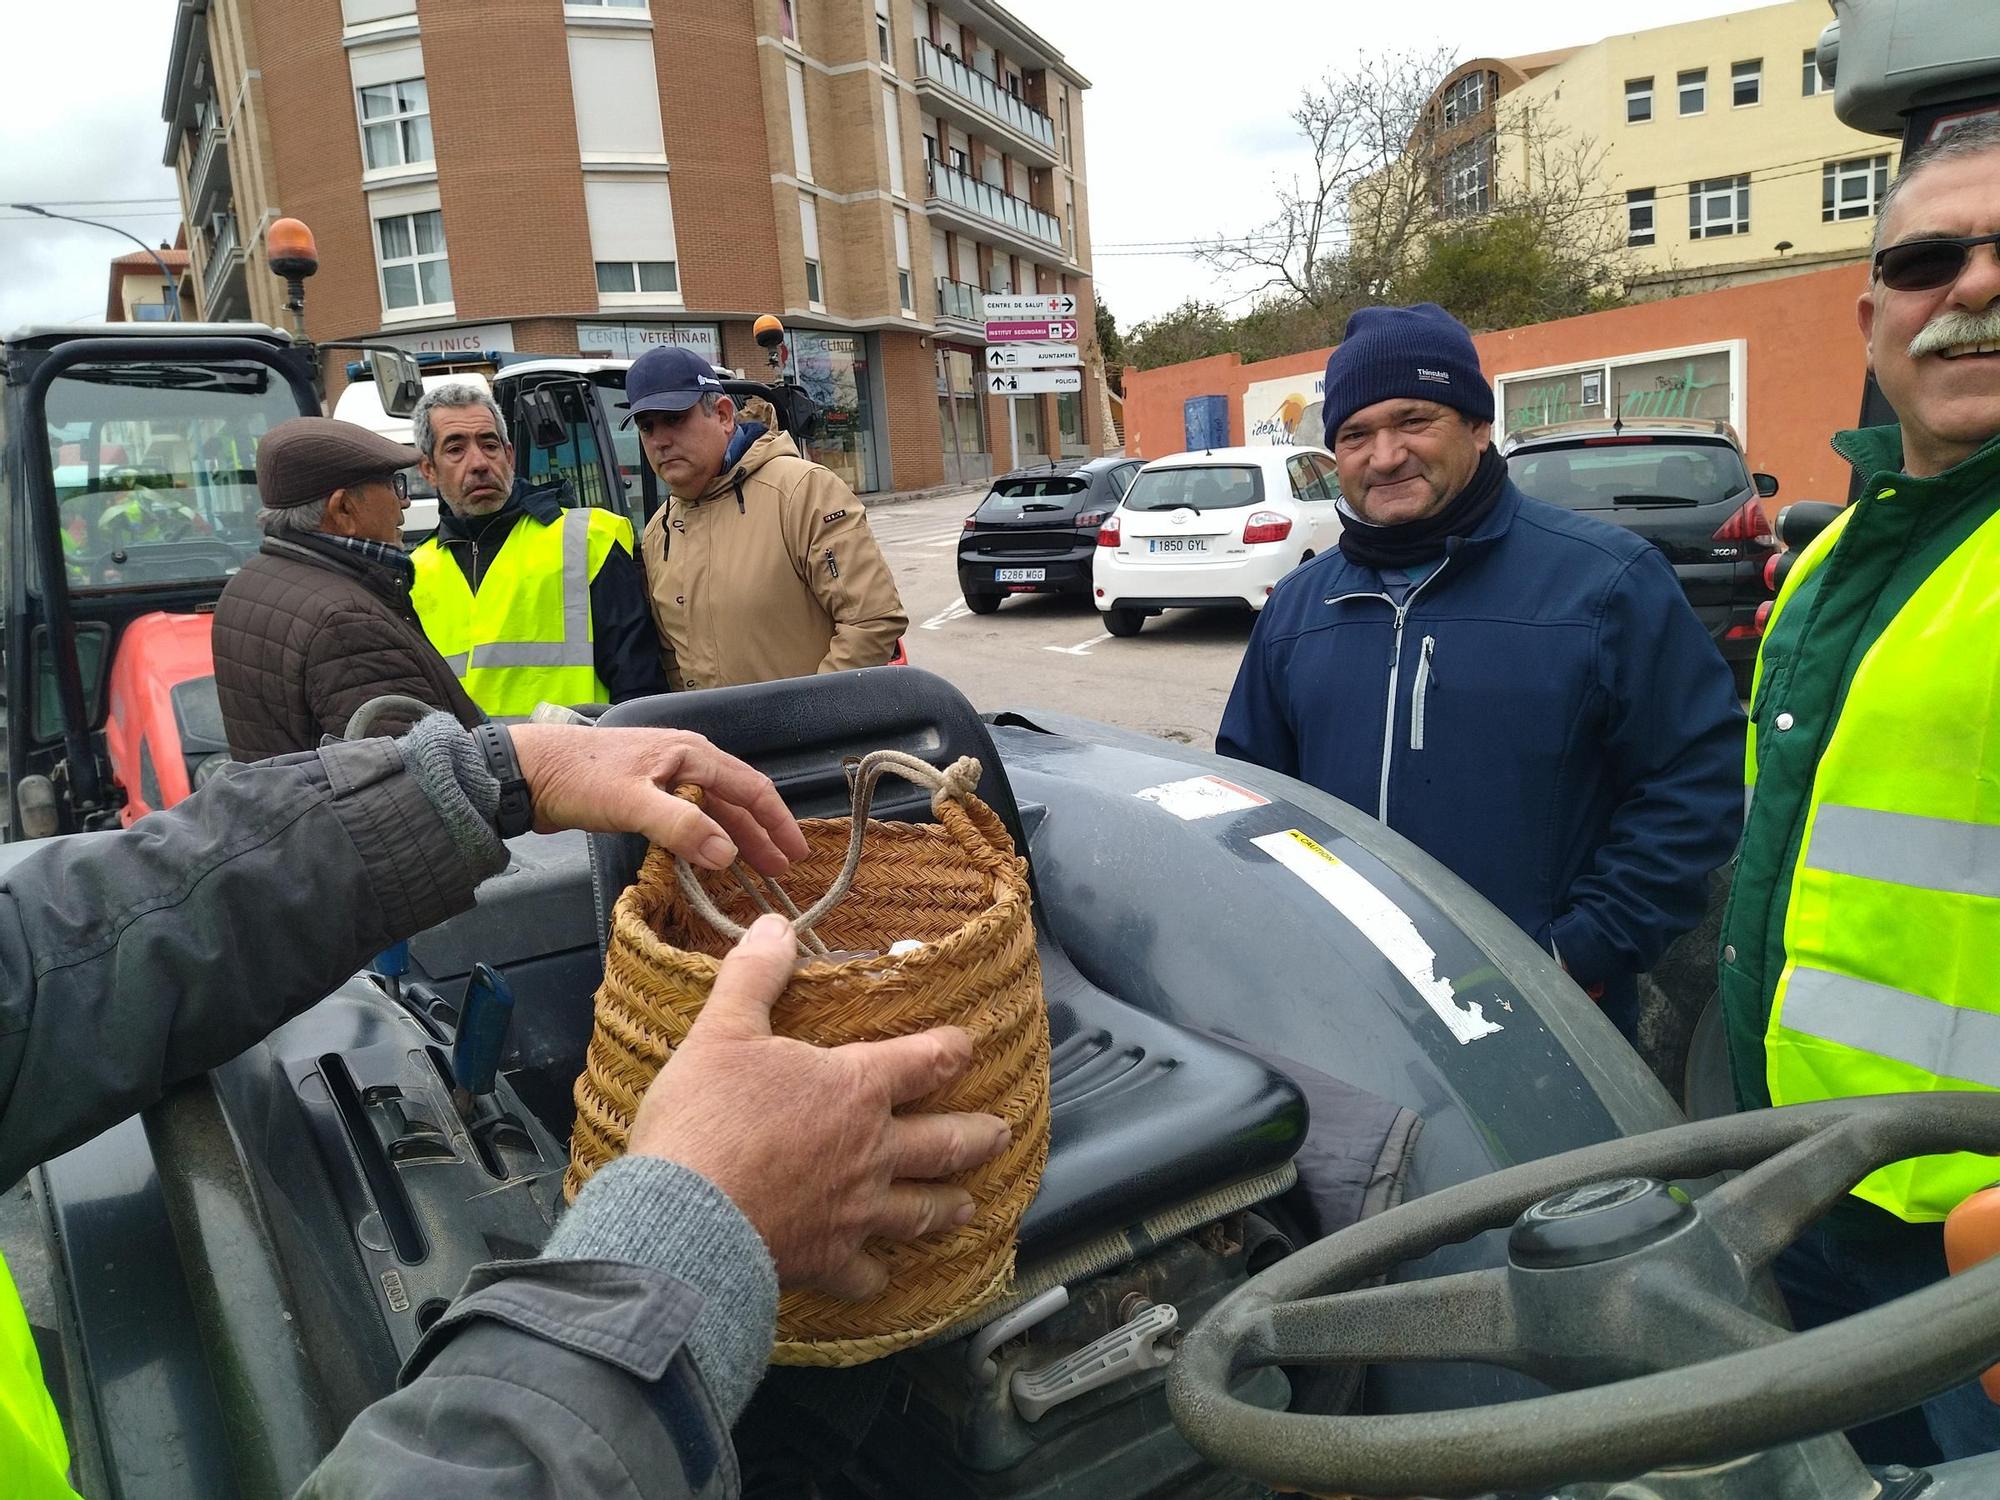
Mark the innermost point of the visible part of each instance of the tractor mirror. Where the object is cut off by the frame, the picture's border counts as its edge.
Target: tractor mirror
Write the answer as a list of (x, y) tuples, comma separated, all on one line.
[(397, 378), (537, 413)]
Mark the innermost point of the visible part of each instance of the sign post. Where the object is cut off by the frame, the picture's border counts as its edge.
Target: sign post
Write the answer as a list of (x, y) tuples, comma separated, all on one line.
[(1032, 382), (1030, 349)]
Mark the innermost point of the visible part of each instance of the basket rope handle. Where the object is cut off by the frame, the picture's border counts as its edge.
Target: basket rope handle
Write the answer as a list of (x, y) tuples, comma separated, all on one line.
[(954, 783)]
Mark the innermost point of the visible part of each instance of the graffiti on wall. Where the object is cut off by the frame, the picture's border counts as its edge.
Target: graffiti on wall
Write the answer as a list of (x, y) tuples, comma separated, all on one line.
[(1639, 388), (1286, 410)]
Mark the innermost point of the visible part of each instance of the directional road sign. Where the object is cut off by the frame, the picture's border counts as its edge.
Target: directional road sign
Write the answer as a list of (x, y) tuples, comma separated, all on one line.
[(1035, 305), (1032, 356), (1023, 330), (1032, 382)]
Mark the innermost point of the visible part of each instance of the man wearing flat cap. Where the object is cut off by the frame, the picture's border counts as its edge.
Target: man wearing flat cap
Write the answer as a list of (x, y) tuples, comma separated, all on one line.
[(1520, 690), (320, 620)]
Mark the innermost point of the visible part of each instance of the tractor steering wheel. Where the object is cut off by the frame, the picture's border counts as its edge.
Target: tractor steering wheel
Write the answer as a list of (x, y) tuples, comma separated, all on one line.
[(1649, 1310)]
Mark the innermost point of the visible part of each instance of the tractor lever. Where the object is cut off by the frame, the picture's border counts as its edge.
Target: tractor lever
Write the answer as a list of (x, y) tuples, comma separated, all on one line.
[(483, 1021)]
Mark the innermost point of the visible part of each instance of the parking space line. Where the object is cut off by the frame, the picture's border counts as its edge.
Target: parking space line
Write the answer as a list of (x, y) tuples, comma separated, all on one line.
[(1081, 648), (955, 610)]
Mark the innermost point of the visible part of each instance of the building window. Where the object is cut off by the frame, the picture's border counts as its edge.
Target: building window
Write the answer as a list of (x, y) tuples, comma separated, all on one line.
[(638, 276), (415, 272), (1065, 129), (1693, 87), (787, 27), (1467, 186), (1638, 100), (396, 124), (1719, 206), (1810, 83), (1465, 99), (1746, 83), (883, 45), (617, 4), (1639, 217), (809, 234), (795, 91), (1853, 189), (892, 137), (905, 289)]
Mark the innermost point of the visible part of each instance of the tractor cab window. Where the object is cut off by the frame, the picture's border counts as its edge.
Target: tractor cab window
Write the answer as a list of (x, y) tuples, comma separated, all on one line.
[(155, 470)]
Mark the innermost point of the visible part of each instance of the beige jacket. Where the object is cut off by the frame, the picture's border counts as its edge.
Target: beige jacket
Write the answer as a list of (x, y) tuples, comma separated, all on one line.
[(771, 573)]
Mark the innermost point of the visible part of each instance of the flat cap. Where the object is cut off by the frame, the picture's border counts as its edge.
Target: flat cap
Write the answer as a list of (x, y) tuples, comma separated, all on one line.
[(308, 458)]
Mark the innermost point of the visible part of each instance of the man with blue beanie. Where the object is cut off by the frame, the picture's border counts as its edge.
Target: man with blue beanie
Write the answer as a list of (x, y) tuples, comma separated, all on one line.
[(1520, 690)]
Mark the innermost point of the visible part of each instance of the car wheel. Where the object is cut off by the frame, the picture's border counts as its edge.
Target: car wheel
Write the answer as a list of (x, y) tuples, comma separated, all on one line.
[(1123, 622), (982, 604)]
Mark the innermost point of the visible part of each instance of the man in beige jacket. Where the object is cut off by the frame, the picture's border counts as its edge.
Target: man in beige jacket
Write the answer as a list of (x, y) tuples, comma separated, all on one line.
[(762, 565)]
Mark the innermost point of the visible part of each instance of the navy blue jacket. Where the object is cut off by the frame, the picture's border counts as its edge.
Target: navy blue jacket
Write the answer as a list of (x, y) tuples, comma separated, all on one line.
[(1557, 726)]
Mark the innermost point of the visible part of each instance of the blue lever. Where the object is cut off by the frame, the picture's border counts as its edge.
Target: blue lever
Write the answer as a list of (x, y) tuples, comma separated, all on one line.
[(392, 963), (482, 1036)]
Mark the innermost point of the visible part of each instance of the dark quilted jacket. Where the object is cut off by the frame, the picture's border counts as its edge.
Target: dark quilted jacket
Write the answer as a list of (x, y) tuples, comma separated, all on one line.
[(308, 632)]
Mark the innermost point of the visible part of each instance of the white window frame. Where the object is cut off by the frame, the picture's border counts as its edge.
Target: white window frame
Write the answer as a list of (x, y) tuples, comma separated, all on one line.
[(1736, 349), (396, 122), (906, 281), (809, 242), (1466, 188), (1701, 195), (795, 94), (1699, 86), (1465, 99), (1635, 200), (414, 260), (1635, 90), (1811, 85), (1873, 171), (624, 232), (637, 292), (892, 133), (885, 37), (1750, 71)]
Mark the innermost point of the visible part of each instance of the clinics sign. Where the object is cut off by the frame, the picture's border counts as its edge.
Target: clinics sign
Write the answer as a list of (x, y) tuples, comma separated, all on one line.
[(1704, 382), (630, 340)]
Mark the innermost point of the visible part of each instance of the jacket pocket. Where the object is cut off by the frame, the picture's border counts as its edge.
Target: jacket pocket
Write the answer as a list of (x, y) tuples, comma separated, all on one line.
[(1421, 692)]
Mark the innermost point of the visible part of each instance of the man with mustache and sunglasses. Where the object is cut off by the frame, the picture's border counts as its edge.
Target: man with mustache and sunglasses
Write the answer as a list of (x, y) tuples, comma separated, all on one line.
[(1861, 950)]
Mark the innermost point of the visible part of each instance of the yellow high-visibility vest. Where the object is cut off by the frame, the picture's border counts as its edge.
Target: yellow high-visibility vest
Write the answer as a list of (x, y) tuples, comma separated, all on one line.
[(1891, 981), (526, 637), (33, 1455)]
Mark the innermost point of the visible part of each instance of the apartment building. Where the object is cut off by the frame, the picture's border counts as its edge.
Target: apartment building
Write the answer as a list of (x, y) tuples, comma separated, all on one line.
[(1723, 161), (603, 176), (138, 293)]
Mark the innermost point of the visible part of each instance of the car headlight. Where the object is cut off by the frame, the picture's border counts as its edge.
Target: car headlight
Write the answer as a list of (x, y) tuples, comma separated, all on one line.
[(209, 767)]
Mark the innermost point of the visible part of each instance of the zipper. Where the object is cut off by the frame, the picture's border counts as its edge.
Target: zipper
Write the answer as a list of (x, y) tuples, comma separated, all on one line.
[(1395, 677), (1417, 694)]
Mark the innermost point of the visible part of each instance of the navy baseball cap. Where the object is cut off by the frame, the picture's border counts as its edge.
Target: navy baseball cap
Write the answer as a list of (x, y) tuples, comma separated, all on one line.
[(669, 378)]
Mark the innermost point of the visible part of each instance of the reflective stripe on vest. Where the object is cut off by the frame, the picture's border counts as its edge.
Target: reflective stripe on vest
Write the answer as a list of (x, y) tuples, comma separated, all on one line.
[(33, 1456), (1892, 932), (527, 636)]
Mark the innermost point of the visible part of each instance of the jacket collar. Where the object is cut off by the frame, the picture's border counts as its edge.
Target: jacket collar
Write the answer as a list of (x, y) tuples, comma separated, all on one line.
[(377, 574), (742, 459), (1877, 456)]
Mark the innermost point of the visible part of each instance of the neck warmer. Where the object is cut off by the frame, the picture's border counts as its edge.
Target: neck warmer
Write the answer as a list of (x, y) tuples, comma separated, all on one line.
[(1430, 536)]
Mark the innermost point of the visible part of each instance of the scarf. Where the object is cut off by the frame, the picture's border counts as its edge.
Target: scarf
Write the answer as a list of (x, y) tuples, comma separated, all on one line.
[(1430, 536)]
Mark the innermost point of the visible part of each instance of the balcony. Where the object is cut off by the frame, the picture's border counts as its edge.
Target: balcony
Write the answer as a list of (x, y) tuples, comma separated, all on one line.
[(984, 209), (977, 103), (222, 287), (208, 171), (959, 301)]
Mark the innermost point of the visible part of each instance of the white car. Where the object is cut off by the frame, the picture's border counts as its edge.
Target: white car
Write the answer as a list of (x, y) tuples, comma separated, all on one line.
[(1213, 529)]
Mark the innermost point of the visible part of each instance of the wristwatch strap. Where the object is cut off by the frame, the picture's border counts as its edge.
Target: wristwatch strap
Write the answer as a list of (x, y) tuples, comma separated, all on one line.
[(516, 813)]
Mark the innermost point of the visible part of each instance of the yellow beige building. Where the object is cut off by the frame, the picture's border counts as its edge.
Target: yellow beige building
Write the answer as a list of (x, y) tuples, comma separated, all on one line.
[(1722, 160)]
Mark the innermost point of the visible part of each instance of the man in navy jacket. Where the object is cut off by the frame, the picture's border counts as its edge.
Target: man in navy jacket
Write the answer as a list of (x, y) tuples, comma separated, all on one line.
[(1520, 690)]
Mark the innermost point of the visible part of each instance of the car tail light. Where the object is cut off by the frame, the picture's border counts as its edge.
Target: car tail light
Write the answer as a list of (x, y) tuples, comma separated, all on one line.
[(1090, 518), (1749, 524), (1107, 534), (1747, 632), (1764, 614), (1266, 526), (1774, 570), (970, 522)]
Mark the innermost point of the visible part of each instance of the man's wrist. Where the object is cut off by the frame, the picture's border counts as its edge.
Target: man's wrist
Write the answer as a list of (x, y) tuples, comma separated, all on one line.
[(514, 811)]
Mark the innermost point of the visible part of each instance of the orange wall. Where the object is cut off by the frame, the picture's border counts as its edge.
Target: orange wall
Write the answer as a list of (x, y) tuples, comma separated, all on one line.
[(1804, 364)]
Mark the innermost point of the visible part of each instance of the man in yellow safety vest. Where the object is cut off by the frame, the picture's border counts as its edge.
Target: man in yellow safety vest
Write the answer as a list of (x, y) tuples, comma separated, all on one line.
[(1861, 951), (527, 601)]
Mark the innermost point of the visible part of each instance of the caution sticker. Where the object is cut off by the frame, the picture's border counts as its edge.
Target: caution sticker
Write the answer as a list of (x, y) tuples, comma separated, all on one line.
[(1383, 923), (1201, 797)]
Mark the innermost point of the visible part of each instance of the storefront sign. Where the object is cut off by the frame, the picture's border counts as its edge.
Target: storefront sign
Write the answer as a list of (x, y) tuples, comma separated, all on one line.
[(1287, 410), (630, 340), (1705, 382), (469, 338)]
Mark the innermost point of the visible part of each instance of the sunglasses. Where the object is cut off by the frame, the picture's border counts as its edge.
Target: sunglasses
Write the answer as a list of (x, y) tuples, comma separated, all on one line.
[(1926, 265)]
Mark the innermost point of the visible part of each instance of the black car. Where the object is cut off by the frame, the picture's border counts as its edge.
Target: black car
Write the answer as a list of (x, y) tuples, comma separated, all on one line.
[(1683, 485), (1036, 529)]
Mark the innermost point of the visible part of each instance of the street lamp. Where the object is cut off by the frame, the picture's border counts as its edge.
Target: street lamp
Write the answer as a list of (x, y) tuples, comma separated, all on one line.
[(173, 292)]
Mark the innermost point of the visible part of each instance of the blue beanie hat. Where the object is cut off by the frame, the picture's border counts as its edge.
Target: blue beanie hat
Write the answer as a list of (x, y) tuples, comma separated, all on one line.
[(1421, 353)]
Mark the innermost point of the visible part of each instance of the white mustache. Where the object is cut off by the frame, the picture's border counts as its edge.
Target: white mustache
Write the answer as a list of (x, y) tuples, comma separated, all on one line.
[(1956, 327)]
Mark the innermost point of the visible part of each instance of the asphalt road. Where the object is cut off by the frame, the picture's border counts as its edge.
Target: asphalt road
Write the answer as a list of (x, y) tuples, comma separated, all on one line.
[(1051, 652)]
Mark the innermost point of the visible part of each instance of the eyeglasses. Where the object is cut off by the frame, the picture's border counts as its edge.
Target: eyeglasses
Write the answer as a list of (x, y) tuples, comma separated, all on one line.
[(1926, 265), (400, 483)]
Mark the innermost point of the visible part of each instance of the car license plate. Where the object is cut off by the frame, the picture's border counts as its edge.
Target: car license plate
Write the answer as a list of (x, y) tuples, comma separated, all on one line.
[(1176, 544), (1020, 575)]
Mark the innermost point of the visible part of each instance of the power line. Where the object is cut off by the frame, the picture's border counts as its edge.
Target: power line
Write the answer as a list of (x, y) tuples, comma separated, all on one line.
[(105, 202)]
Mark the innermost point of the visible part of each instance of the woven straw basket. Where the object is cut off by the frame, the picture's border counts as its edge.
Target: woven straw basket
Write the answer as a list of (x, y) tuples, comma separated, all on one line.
[(957, 887)]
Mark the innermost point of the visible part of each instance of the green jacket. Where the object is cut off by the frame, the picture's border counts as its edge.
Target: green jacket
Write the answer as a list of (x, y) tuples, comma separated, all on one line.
[(1899, 532)]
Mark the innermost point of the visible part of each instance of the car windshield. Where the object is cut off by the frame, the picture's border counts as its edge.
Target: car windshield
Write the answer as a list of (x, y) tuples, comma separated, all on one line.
[(155, 469), (1600, 473), (1196, 487), (610, 386), (1040, 492)]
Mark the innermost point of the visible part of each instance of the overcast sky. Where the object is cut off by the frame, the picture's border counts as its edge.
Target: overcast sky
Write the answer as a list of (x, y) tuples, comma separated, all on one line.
[(1186, 123)]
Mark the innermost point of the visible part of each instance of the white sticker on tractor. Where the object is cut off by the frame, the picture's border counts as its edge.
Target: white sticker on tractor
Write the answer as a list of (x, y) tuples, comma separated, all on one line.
[(1202, 797), (1383, 923)]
